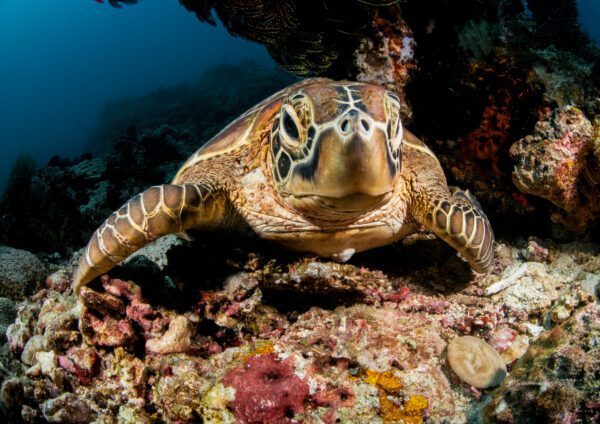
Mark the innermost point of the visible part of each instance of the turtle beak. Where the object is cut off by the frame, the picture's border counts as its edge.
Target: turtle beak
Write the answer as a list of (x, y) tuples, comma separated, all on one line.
[(362, 167), (351, 161)]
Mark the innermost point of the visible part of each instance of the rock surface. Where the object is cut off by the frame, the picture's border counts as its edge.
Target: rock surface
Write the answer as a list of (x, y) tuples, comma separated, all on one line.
[(557, 163)]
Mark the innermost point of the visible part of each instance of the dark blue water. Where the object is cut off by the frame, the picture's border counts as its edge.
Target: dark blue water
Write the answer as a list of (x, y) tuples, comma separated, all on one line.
[(589, 16), (61, 61)]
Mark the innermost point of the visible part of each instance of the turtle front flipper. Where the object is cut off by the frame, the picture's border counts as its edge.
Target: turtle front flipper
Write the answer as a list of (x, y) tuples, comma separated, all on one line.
[(156, 212), (457, 218)]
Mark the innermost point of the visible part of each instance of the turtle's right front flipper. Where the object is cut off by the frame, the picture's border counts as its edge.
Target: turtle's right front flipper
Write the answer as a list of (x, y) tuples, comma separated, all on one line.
[(158, 211)]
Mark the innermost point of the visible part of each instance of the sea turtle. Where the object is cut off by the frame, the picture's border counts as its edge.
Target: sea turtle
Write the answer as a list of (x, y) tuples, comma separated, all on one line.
[(322, 166)]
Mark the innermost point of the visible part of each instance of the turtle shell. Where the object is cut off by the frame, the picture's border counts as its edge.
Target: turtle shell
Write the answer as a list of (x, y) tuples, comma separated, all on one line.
[(244, 129)]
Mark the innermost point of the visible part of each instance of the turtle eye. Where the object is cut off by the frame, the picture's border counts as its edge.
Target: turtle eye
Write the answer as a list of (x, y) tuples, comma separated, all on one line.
[(290, 127), (396, 133), (394, 124)]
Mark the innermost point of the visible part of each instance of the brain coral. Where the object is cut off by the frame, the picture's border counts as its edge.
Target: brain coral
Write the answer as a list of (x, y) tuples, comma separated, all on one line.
[(20, 272)]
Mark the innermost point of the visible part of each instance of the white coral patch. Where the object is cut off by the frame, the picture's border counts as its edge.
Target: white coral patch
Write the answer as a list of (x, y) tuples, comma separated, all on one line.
[(407, 53)]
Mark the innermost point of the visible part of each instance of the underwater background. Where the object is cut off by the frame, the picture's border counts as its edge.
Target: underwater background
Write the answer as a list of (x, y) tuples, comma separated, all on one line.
[(62, 62), (102, 99)]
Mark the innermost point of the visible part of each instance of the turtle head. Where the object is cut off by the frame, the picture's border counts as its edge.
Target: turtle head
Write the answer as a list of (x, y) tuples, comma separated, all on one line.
[(337, 146)]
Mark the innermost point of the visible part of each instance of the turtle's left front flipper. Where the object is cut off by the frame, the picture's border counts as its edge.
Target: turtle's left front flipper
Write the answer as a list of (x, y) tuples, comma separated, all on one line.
[(456, 217), (156, 212)]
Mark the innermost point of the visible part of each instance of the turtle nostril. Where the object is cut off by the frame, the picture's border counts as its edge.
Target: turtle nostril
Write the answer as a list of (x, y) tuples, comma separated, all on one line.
[(345, 125), (364, 124)]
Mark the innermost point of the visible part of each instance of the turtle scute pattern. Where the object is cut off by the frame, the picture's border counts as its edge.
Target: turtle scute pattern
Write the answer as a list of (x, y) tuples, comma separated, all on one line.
[(476, 362), (460, 222), (157, 211)]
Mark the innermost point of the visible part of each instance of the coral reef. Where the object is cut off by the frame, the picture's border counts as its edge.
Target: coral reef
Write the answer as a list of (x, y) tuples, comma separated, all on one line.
[(21, 273), (252, 334), (494, 72), (506, 94)]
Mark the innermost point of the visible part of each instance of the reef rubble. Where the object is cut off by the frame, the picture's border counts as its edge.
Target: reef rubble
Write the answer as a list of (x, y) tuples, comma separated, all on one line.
[(257, 335)]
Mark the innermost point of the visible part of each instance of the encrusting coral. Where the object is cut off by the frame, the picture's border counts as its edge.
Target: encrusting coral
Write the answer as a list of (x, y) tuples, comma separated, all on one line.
[(558, 379)]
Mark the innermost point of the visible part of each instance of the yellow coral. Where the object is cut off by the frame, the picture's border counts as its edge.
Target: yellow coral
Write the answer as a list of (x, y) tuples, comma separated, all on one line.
[(259, 349), (411, 412), (372, 377), (388, 382), (416, 404)]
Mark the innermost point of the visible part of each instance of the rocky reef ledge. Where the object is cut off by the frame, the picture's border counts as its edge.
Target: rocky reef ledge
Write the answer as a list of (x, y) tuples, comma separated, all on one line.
[(212, 332)]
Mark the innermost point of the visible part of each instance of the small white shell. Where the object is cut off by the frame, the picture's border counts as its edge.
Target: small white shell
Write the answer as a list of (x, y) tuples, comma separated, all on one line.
[(476, 362)]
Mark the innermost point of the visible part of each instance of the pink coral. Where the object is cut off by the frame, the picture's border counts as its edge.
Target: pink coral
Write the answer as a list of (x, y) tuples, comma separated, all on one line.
[(107, 331), (103, 322), (334, 398), (267, 390), (121, 288), (501, 339), (83, 362)]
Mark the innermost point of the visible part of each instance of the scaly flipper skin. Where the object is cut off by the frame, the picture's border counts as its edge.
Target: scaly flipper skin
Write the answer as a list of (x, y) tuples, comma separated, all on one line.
[(158, 211), (457, 218)]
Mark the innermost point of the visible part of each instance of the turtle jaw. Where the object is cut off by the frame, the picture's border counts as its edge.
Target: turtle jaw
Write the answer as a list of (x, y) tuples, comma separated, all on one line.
[(359, 202), (345, 208)]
